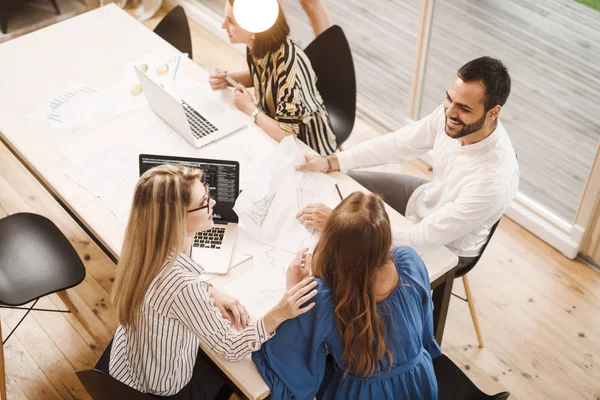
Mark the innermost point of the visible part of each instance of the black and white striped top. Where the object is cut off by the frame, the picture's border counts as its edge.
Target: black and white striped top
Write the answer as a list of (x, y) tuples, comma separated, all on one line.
[(177, 314), (285, 85)]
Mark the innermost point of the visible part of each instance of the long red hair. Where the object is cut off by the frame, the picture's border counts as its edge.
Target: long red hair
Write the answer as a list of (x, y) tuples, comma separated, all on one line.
[(354, 245)]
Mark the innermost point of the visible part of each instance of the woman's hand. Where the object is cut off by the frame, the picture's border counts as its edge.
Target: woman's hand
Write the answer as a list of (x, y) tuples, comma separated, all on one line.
[(290, 304), (217, 80), (314, 216), (231, 308), (298, 269), (243, 100)]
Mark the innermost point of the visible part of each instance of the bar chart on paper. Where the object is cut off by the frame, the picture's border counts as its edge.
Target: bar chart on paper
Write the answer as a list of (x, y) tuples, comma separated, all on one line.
[(67, 108)]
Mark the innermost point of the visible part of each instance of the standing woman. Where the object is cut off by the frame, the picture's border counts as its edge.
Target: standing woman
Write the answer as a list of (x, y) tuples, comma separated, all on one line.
[(285, 85), (164, 309), (373, 315)]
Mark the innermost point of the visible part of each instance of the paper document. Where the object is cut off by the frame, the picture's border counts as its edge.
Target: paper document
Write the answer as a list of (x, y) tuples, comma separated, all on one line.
[(274, 262), (261, 288), (269, 204), (257, 298), (162, 69), (244, 246), (104, 158), (78, 104), (67, 108)]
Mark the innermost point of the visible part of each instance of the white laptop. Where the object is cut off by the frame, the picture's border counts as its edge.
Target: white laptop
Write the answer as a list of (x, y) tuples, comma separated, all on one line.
[(211, 249), (200, 124)]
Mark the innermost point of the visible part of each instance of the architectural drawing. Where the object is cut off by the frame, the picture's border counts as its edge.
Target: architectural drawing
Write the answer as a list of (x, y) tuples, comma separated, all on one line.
[(307, 191), (259, 209), (277, 260)]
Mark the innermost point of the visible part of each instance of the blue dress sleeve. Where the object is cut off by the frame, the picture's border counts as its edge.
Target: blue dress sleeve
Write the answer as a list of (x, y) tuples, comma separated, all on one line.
[(412, 265), (292, 362)]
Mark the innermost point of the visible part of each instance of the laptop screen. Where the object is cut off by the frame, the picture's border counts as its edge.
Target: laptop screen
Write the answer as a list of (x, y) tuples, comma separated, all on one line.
[(222, 176)]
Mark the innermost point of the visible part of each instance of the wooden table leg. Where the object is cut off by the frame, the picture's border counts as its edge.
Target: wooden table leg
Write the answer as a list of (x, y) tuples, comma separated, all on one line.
[(2, 371), (442, 291)]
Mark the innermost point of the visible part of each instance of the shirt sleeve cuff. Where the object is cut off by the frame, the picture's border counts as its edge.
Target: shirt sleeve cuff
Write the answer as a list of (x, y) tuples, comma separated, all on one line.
[(261, 334), (399, 237), (345, 160), (288, 127)]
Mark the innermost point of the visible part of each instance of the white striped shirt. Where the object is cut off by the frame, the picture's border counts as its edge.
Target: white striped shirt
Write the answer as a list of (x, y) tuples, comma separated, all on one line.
[(177, 314)]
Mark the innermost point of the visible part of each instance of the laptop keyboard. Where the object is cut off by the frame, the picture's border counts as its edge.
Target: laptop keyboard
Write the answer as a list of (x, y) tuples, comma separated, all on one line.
[(211, 239), (200, 125)]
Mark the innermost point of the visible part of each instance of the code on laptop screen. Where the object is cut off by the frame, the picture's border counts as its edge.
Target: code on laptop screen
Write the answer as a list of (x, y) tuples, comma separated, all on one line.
[(222, 177)]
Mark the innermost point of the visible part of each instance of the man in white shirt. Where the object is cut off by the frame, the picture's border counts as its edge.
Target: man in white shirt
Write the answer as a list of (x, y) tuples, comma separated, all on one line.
[(475, 170)]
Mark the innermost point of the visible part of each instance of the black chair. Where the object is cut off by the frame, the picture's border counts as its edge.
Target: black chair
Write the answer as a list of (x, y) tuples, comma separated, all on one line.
[(462, 273), (36, 259), (101, 386), (174, 28), (331, 59), (7, 6), (454, 384)]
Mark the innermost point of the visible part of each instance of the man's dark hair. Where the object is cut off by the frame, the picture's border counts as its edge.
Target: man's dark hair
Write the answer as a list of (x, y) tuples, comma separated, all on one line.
[(494, 76)]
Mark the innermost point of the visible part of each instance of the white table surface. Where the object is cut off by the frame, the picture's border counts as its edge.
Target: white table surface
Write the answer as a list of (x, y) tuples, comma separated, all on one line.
[(95, 49)]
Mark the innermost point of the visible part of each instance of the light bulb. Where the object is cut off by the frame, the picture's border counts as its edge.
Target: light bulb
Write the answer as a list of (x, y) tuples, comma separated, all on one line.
[(255, 15)]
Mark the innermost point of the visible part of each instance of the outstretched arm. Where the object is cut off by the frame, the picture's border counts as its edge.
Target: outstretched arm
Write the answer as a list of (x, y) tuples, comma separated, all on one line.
[(318, 14)]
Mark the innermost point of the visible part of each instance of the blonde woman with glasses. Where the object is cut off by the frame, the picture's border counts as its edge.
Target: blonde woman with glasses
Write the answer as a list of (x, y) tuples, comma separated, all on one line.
[(164, 309)]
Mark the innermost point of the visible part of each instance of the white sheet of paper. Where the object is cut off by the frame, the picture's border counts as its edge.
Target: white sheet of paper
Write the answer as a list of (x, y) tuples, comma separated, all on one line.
[(261, 288), (244, 246), (268, 206), (272, 263), (258, 300), (69, 107), (111, 172)]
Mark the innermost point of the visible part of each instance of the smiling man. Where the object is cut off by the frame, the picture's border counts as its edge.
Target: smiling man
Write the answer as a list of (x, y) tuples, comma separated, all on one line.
[(475, 170)]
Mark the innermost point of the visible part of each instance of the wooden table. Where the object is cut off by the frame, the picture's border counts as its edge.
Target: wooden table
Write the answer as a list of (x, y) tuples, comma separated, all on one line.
[(96, 48)]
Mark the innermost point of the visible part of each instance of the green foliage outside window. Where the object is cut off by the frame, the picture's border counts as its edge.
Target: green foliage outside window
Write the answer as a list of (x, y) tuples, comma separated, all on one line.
[(595, 4)]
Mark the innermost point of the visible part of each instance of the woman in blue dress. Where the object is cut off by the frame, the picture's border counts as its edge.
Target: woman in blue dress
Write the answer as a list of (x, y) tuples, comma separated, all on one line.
[(373, 315)]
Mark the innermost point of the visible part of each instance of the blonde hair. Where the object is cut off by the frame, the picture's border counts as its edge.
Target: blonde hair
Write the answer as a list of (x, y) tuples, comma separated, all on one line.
[(353, 246), (156, 228)]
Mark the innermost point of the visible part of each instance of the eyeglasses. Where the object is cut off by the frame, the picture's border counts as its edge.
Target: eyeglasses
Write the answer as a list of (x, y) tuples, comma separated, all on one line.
[(207, 205)]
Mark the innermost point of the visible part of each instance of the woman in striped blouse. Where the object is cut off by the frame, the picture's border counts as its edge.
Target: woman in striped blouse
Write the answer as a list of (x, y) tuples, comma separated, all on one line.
[(288, 102), (164, 309)]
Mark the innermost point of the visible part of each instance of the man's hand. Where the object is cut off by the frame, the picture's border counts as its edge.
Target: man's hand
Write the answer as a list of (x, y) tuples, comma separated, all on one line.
[(298, 269), (314, 163), (231, 309), (317, 163), (314, 216)]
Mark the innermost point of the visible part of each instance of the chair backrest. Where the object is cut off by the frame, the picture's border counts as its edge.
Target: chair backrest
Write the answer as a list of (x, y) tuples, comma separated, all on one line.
[(454, 384), (331, 59), (102, 386), (467, 268), (104, 360), (36, 259), (174, 28)]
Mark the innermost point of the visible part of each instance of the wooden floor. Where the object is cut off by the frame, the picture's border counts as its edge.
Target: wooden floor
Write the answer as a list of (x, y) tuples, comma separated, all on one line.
[(551, 47), (37, 14), (538, 310)]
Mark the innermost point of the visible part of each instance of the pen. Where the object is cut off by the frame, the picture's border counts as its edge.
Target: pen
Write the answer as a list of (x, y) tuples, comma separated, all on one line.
[(338, 190), (227, 78)]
